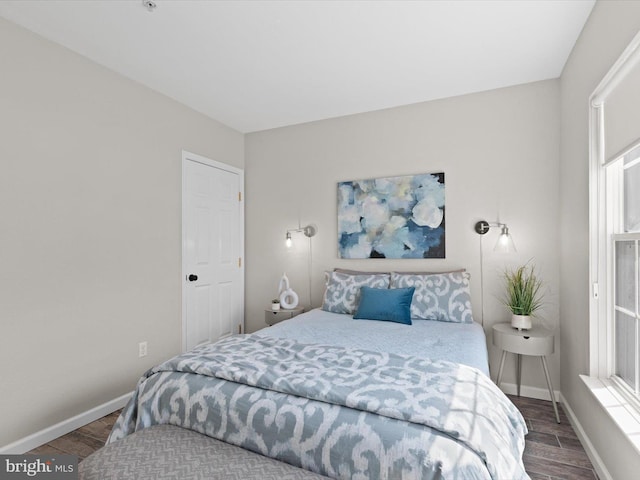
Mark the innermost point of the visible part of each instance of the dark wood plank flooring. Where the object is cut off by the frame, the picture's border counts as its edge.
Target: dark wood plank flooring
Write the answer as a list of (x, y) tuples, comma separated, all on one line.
[(81, 442), (552, 451)]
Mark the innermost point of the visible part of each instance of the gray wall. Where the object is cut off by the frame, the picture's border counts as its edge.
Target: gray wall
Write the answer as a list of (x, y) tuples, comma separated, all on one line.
[(90, 212), (500, 154), (609, 30)]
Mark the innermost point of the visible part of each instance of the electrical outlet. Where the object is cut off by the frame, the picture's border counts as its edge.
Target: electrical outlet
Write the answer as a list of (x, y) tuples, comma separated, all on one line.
[(142, 349)]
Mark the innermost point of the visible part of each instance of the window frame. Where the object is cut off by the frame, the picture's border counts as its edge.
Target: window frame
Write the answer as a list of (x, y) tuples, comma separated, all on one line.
[(602, 225), (622, 407)]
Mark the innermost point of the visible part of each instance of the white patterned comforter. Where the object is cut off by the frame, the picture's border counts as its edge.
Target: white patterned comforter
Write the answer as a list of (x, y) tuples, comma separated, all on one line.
[(340, 412)]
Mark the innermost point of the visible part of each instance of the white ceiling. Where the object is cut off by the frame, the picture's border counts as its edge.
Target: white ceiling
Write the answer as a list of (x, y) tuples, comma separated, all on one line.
[(255, 65)]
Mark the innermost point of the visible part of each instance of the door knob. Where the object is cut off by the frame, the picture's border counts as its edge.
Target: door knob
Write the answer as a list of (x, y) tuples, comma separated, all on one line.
[(192, 277)]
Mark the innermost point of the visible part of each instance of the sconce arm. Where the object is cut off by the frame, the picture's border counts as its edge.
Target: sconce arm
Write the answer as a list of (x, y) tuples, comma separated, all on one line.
[(483, 226)]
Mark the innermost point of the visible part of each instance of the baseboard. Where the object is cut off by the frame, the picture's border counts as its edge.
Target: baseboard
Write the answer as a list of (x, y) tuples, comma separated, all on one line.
[(596, 461), (530, 392), (62, 428)]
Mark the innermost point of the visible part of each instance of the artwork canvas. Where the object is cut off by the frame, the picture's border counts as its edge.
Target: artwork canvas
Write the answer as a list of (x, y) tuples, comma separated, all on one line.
[(392, 217)]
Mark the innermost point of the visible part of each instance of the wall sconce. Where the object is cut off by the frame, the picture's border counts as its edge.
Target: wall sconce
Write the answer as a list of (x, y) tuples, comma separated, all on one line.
[(309, 231), (505, 242)]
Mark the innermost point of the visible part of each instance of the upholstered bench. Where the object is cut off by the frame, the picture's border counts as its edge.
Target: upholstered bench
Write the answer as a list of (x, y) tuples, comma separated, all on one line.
[(166, 452)]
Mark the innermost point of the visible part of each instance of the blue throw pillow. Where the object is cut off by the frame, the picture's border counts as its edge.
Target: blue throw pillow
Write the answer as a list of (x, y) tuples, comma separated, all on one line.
[(392, 305)]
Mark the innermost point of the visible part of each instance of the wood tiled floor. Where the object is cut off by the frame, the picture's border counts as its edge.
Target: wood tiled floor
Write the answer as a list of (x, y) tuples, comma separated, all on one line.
[(83, 441), (552, 450)]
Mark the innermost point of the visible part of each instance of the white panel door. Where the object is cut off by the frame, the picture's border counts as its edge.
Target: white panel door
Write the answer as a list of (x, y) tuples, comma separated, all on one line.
[(212, 294)]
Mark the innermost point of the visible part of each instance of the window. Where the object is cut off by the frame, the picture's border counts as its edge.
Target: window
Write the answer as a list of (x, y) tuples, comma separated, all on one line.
[(623, 208), (614, 243), (614, 225)]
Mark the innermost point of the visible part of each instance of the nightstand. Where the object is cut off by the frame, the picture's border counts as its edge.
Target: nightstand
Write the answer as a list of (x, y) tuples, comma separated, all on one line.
[(537, 341), (271, 317)]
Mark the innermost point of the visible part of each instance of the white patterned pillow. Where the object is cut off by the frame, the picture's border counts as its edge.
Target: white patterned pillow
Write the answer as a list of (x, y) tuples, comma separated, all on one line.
[(342, 294), (439, 296)]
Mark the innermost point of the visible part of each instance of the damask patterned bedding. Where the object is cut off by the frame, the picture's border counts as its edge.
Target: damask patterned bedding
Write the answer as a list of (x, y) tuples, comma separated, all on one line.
[(337, 411)]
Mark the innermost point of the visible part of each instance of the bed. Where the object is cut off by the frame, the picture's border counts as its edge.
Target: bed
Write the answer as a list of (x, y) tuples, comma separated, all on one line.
[(346, 397)]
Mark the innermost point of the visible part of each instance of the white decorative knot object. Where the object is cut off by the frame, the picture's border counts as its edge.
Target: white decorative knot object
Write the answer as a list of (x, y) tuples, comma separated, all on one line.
[(288, 298)]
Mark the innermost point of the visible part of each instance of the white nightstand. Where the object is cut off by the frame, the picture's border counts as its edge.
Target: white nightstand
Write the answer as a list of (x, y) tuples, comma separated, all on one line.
[(537, 341), (271, 317)]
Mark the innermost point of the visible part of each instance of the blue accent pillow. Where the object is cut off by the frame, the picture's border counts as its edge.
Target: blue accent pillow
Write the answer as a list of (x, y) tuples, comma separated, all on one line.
[(391, 305)]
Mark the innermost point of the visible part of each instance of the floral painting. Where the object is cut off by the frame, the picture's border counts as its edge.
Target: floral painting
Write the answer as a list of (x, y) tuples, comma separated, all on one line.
[(392, 217)]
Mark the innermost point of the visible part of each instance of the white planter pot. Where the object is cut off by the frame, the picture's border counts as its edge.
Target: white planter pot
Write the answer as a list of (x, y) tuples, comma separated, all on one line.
[(521, 322), (275, 307)]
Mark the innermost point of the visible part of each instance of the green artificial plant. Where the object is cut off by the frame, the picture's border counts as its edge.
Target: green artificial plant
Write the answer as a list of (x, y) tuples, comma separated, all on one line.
[(523, 290)]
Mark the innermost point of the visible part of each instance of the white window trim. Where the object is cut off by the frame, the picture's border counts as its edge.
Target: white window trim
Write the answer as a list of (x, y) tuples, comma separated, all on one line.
[(623, 409)]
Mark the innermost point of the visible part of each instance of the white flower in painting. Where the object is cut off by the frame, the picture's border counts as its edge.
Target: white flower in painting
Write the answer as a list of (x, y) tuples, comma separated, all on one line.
[(402, 198), (349, 219), (386, 186), (345, 195), (360, 250), (375, 214), (394, 224), (427, 186), (427, 214)]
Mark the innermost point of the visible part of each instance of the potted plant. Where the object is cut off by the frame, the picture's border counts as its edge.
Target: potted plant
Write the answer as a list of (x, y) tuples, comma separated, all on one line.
[(275, 304), (523, 295)]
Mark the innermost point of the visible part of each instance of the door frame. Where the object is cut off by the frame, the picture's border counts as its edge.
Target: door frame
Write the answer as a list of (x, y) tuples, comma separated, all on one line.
[(193, 157)]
